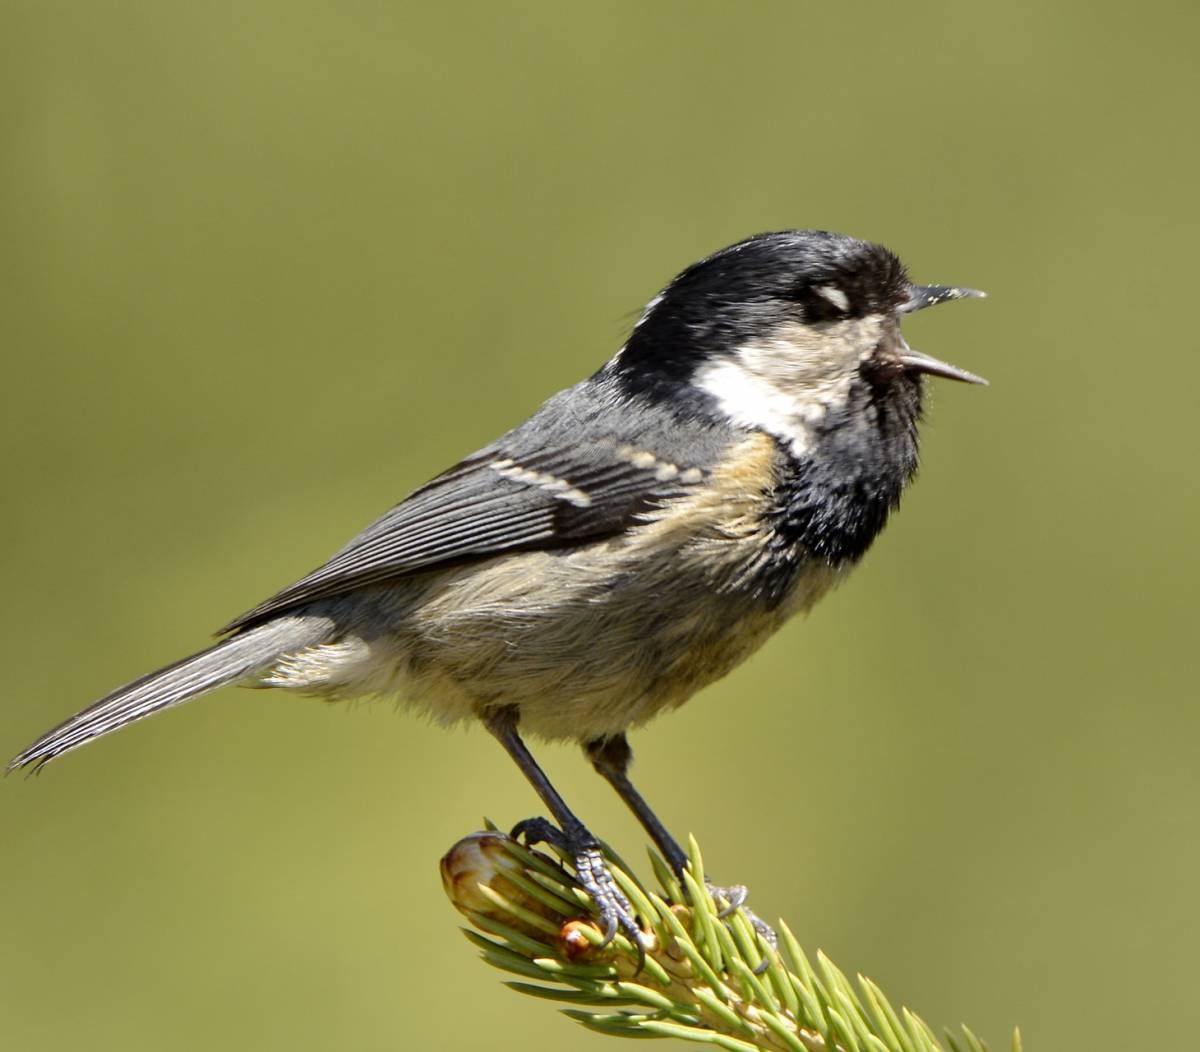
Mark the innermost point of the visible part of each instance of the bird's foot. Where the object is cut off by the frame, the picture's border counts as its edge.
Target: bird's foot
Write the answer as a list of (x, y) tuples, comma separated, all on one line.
[(733, 898), (615, 910)]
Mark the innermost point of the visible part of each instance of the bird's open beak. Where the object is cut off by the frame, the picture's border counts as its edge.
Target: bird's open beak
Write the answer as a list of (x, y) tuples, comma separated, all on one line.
[(920, 297)]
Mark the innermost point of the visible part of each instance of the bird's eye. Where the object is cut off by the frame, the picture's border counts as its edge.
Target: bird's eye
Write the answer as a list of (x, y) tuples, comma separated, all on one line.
[(824, 302)]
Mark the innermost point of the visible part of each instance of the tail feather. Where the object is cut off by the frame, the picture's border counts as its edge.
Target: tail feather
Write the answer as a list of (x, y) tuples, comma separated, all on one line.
[(190, 678)]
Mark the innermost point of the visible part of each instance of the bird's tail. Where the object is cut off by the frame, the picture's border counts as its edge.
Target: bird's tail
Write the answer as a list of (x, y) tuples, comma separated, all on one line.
[(251, 651)]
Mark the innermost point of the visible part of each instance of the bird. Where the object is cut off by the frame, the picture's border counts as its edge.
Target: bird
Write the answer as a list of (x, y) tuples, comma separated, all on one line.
[(641, 534)]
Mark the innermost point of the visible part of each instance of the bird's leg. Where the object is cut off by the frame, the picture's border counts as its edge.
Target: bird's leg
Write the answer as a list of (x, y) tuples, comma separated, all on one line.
[(572, 836), (611, 758)]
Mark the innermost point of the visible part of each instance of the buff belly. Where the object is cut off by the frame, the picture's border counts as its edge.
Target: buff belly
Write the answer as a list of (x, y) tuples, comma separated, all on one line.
[(581, 653)]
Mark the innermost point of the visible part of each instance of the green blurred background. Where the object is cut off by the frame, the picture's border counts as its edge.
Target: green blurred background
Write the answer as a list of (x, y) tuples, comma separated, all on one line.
[(268, 266)]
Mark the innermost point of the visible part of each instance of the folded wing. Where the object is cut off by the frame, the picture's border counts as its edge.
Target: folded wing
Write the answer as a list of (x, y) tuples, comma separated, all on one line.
[(500, 500)]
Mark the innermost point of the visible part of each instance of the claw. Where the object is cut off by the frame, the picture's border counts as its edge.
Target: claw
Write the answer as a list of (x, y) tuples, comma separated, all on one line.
[(541, 831), (734, 898), (615, 911)]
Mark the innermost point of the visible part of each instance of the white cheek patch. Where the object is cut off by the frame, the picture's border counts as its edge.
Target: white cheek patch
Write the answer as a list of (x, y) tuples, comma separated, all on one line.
[(787, 384), (754, 401)]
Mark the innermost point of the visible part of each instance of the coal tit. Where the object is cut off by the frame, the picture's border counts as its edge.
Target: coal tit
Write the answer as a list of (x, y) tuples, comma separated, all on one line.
[(640, 535)]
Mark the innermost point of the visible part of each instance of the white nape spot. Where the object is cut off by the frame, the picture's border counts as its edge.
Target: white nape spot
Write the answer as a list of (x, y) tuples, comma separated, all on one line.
[(834, 295), (649, 309), (646, 312), (559, 488)]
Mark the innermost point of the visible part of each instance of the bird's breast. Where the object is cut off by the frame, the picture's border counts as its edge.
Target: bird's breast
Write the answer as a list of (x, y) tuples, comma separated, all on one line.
[(589, 640)]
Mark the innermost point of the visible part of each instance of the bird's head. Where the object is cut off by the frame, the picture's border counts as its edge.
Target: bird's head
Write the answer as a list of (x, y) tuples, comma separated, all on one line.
[(783, 330)]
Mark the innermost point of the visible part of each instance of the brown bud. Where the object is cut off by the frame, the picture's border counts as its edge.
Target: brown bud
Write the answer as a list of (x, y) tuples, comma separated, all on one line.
[(482, 860)]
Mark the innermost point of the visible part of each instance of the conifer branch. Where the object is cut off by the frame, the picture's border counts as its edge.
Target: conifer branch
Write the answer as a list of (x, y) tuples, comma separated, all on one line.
[(705, 978)]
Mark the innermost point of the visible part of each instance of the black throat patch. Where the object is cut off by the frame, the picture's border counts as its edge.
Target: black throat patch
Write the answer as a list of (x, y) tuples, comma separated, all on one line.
[(833, 501)]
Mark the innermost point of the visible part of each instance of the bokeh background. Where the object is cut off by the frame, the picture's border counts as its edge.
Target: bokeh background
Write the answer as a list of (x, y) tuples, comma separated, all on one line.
[(267, 266)]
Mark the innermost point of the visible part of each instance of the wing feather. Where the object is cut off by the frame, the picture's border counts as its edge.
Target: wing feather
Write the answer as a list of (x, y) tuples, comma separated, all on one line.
[(475, 510), (565, 476)]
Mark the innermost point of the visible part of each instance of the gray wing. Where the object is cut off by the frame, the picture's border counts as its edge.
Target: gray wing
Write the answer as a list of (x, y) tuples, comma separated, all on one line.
[(518, 494)]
